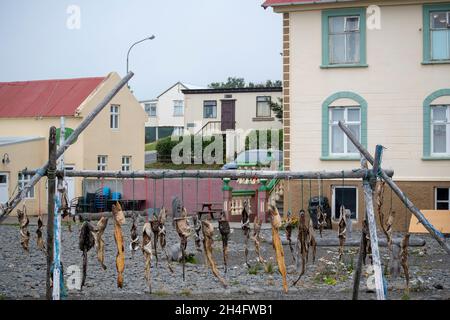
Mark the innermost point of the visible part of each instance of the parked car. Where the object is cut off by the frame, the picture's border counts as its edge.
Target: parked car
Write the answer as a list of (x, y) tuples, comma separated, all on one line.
[(255, 157)]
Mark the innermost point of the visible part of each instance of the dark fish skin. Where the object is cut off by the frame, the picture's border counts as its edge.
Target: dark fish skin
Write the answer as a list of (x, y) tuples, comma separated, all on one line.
[(86, 243)]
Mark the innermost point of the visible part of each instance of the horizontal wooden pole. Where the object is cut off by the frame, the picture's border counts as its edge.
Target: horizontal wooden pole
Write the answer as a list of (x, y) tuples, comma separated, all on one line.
[(232, 174)]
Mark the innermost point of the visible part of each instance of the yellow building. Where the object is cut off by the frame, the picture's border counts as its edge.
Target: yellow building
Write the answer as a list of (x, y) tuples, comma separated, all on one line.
[(113, 141)]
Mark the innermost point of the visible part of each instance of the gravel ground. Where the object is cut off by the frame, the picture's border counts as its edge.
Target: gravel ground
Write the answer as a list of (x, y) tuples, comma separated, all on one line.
[(22, 275)]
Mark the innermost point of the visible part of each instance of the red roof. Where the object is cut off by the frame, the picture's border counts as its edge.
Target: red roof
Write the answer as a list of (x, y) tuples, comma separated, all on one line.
[(273, 3), (46, 98)]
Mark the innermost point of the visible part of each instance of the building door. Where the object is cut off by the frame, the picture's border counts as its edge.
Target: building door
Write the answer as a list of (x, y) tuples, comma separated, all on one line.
[(4, 196), (228, 119), (70, 183)]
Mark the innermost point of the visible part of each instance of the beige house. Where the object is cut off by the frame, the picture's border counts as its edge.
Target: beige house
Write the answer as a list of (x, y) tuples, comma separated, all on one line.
[(384, 68), (209, 111), (113, 141)]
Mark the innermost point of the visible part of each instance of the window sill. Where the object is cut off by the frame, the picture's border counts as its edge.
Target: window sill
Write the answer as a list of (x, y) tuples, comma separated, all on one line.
[(261, 119), (425, 63), (436, 158), (340, 158), (334, 66), (178, 115)]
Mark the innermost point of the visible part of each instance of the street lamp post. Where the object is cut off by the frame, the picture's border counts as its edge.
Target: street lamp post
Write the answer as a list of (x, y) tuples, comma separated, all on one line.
[(128, 54)]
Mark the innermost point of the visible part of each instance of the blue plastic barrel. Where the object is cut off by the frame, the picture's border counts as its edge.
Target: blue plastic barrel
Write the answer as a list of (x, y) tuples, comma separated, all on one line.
[(116, 196), (106, 191)]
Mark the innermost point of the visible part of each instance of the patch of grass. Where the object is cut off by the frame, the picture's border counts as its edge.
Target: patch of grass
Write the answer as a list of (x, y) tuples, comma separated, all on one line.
[(191, 259), (151, 146), (2, 297), (234, 282), (255, 269), (405, 296), (330, 281), (186, 292), (268, 268), (161, 293)]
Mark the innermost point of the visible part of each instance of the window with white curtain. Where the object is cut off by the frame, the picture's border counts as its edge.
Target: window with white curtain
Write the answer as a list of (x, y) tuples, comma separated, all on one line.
[(440, 35), (23, 180), (263, 107), (440, 129), (344, 39), (150, 108), (351, 116), (102, 163), (114, 117), (178, 108), (126, 163)]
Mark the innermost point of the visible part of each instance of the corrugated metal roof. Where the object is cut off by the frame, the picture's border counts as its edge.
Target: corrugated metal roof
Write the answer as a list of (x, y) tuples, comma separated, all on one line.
[(14, 140), (44, 98), (276, 3)]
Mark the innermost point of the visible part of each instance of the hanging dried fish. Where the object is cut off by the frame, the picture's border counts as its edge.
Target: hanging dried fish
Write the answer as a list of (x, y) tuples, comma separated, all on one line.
[(276, 242), (321, 219), (86, 243), (224, 229), (155, 228), (379, 191), (99, 242), (184, 232), (134, 244), (367, 247), (404, 258), (311, 241), (162, 217), (289, 227), (40, 240), (24, 233), (246, 228), (256, 237), (390, 228), (147, 251), (302, 243), (119, 220), (342, 232), (197, 235), (208, 231)]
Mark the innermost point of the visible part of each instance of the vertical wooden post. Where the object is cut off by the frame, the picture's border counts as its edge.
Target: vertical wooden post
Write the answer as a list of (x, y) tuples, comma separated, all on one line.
[(358, 270), (51, 176)]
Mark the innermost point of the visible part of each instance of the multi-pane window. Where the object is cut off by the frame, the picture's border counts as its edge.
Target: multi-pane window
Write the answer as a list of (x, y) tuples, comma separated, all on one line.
[(102, 163), (150, 108), (114, 117), (23, 179), (440, 129), (351, 116), (178, 108), (347, 196), (209, 109), (344, 39), (263, 107), (442, 199), (126, 163), (178, 131), (440, 35)]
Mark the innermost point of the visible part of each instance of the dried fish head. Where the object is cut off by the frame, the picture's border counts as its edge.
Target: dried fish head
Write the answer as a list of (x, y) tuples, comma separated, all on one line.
[(162, 217), (276, 218)]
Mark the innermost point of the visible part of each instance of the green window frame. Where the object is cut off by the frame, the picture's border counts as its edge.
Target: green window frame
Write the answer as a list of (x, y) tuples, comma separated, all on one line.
[(362, 103), (326, 14), (427, 104), (427, 10)]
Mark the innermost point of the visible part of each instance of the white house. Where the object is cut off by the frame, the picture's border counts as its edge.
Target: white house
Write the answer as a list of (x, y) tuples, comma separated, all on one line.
[(166, 112)]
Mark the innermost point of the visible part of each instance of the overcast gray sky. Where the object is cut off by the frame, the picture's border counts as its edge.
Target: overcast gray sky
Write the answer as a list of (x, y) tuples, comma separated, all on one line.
[(197, 41)]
